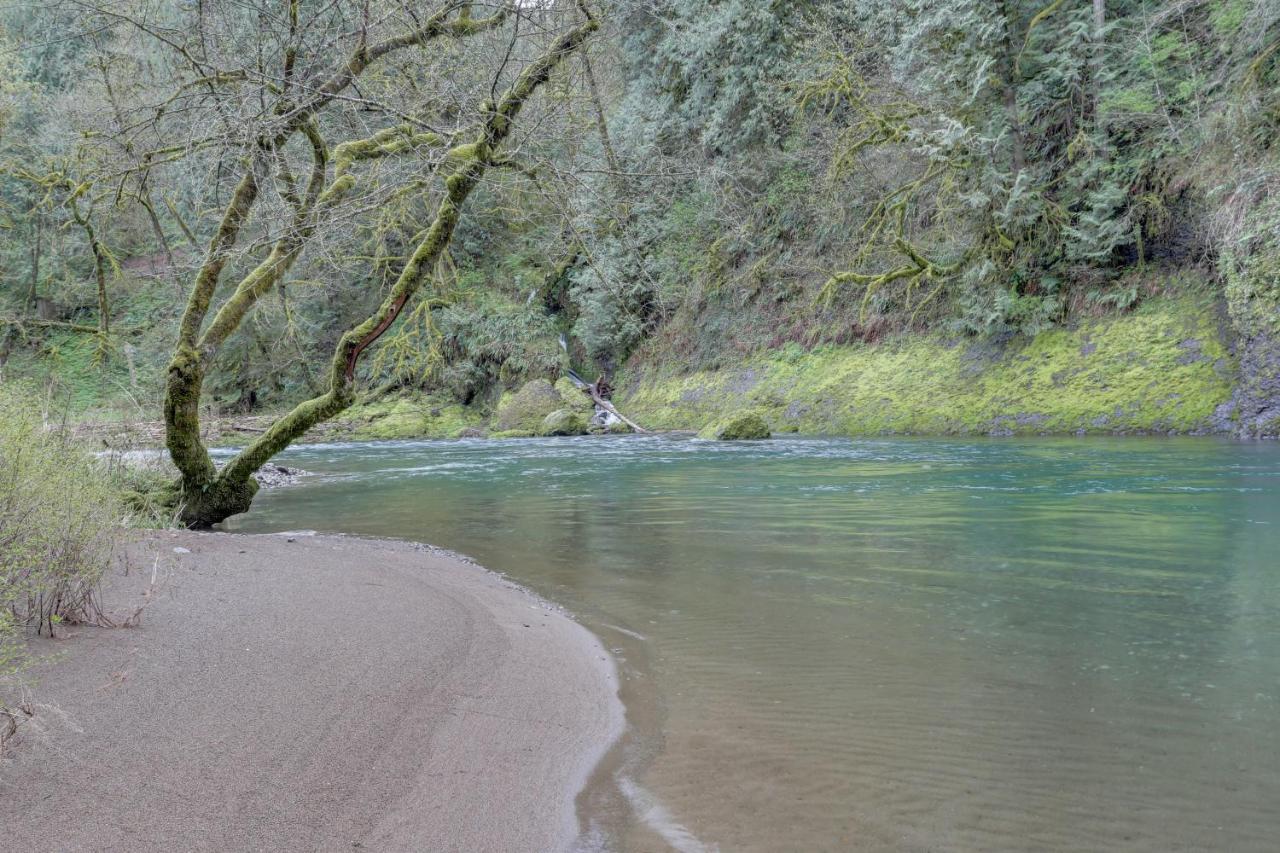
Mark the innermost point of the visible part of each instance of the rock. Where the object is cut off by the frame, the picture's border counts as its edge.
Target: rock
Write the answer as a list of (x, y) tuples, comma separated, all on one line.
[(605, 422), (526, 409), (271, 475), (573, 398), (741, 426), (1254, 408), (513, 433), (411, 416), (563, 422)]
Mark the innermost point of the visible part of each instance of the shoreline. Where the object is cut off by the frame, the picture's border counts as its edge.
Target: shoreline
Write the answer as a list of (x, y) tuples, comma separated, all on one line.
[(301, 691)]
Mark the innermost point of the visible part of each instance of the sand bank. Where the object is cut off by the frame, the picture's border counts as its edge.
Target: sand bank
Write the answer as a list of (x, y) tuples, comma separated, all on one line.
[(319, 693)]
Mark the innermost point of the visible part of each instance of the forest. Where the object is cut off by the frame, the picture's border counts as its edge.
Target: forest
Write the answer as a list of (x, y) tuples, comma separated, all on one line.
[(639, 425), (400, 214)]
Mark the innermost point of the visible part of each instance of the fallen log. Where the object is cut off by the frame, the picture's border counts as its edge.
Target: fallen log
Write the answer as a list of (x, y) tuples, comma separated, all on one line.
[(598, 392)]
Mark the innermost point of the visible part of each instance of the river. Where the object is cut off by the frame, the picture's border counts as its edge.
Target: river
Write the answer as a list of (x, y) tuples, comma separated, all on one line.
[(834, 644)]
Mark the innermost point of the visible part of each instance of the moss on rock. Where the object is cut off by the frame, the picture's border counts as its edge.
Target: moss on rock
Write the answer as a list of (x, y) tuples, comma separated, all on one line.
[(415, 416), (574, 399), (1251, 267), (527, 408), (1161, 369), (741, 426), (563, 422)]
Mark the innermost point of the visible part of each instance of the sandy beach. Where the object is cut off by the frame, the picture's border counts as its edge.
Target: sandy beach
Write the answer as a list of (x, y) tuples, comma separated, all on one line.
[(312, 693)]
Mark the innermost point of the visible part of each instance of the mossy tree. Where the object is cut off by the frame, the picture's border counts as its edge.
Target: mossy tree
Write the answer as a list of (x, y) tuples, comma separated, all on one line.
[(403, 131)]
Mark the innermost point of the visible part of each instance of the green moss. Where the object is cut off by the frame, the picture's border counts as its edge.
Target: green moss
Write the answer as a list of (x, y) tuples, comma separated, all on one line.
[(740, 426), (1251, 267), (572, 398), (563, 422), (526, 408), (418, 416), (1160, 369)]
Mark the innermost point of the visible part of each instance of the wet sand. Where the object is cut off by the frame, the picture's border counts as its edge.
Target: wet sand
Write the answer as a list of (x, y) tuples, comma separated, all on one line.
[(313, 693)]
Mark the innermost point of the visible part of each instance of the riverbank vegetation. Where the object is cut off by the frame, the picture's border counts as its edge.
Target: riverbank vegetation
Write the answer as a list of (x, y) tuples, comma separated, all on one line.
[(60, 514), (402, 214)]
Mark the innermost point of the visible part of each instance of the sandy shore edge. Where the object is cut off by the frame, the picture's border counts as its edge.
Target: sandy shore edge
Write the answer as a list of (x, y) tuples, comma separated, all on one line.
[(313, 693)]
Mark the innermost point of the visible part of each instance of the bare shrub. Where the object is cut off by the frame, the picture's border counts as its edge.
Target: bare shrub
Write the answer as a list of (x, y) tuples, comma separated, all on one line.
[(58, 517)]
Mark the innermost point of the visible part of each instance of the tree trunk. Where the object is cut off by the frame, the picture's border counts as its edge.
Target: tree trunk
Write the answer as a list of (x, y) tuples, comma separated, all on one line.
[(602, 126), (100, 274), (1098, 60), (1009, 91), (33, 289), (210, 496)]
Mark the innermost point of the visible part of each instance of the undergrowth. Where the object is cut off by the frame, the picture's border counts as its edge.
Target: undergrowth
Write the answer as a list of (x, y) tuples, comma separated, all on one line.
[(59, 513)]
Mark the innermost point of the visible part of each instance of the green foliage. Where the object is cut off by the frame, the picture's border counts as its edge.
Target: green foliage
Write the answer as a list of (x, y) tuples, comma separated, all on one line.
[(57, 514), (1251, 266), (616, 301), (707, 69), (762, 177), (489, 342)]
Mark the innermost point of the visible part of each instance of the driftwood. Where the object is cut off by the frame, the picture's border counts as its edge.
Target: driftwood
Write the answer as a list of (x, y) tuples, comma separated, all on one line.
[(599, 392)]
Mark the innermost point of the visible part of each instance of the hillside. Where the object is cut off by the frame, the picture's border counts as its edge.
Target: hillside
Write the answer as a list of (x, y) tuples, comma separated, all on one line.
[(1065, 221)]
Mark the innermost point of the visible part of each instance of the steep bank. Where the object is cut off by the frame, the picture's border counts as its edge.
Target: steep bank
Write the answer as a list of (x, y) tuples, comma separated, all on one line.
[(1165, 368), (1172, 365), (317, 693)]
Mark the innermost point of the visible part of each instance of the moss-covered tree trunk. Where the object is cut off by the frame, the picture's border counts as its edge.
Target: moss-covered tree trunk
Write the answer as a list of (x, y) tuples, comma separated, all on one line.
[(209, 495)]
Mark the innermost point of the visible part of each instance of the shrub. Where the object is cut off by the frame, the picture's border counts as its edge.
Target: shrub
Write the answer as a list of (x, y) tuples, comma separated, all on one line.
[(58, 517)]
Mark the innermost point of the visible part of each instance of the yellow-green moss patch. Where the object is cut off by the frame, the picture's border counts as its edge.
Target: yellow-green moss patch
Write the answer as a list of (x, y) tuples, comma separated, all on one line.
[(418, 416), (1161, 369)]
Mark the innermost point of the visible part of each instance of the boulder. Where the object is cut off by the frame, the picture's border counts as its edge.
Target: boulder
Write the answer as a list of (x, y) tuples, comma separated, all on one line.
[(527, 408), (740, 426), (573, 398), (563, 422)]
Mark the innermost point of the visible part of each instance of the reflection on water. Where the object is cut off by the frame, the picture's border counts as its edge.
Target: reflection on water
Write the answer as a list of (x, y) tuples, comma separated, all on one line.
[(903, 645)]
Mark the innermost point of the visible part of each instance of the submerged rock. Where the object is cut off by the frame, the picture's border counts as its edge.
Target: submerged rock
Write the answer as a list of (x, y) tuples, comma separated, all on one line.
[(271, 475), (741, 426), (527, 408), (563, 422)]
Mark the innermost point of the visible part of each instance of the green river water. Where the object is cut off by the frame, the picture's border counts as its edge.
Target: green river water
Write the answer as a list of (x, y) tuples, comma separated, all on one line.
[(832, 644)]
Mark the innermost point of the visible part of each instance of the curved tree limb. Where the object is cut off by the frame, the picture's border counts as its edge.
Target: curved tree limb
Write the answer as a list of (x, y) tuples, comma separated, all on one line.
[(465, 164)]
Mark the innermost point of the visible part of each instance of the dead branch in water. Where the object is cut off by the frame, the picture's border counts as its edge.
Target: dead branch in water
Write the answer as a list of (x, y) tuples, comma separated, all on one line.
[(598, 392)]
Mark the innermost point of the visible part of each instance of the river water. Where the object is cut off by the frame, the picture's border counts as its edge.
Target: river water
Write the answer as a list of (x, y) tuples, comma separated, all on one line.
[(834, 644)]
